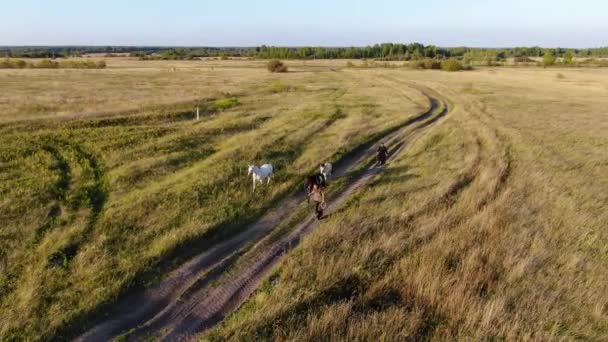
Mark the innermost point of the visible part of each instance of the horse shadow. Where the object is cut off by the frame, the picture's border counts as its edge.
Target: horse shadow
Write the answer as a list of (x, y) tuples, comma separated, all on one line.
[(392, 175)]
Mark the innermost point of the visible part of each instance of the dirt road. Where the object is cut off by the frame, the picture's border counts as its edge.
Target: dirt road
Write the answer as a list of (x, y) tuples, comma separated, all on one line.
[(204, 290)]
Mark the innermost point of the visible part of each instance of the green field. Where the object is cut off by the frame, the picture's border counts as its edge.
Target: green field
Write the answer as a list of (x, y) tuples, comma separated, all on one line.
[(490, 225)]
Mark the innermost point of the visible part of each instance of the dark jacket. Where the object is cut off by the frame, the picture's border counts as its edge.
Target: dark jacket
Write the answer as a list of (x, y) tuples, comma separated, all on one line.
[(382, 150)]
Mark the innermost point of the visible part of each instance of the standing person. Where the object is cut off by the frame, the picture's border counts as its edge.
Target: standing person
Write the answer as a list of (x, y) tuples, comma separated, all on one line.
[(382, 154), (317, 195)]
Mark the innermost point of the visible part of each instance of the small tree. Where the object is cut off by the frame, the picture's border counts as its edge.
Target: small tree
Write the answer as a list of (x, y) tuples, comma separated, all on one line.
[(276, 66), (568, 57), (548, 59)]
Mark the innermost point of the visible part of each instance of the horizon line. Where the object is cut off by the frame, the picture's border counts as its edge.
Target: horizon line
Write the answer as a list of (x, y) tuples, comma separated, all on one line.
[(291, 46)]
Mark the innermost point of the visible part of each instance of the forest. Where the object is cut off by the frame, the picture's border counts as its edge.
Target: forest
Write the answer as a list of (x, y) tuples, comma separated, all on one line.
[(384, 51)]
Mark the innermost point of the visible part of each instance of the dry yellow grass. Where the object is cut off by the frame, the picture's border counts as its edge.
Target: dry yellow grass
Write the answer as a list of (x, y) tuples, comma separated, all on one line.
[(491, 226), (92, 203)]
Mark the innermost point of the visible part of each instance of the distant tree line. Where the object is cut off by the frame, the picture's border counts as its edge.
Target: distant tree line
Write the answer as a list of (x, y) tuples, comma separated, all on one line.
[(385, 51), (66, 51), (50, 64)]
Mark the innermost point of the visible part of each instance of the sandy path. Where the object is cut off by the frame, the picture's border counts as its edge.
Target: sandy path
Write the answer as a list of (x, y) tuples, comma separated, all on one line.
[(198, 294)]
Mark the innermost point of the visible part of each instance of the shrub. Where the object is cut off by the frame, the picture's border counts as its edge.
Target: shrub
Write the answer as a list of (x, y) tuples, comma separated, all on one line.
[(592, 62), (350, 64), (81, 65), (20, 63), (451, 65), (491, 61), (427, 63), (548, 59), (47, 64), (279, 87), (276, 66), (523, 59), (432, 64), (568, 57), (13, 64), (417, 64), (225, 103)]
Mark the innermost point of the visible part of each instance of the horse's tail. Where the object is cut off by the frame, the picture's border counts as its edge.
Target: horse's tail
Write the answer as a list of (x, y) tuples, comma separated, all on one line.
[(309, 182)]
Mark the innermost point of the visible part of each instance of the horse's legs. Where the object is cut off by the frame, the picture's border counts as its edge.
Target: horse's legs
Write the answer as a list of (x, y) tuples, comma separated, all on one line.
[(268, 180)]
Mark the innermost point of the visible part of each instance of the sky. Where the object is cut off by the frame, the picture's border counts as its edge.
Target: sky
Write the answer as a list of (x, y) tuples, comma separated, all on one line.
[(480, 23)]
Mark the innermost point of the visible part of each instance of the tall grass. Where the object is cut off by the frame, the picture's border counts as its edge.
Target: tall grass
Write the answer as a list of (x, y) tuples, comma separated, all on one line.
[(487, 228), (93, 206)]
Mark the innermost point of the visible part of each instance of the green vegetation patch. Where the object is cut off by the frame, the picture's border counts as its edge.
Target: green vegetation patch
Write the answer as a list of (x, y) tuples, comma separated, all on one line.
[(225, 103)]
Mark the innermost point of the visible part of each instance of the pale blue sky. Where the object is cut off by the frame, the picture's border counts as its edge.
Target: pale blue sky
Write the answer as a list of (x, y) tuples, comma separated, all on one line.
[(489, 23)]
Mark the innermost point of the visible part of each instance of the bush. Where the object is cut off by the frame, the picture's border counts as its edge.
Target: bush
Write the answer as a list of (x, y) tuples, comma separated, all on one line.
[(568, 57), (70, 64), (432, 64), (417, 65), (13, 64), (548, 59), (523, 59), (427, 63), (20, 63), (451, 65), (350, 64), (225, 103), (279, 87), (47, 64), (276, 66), (592, 62)]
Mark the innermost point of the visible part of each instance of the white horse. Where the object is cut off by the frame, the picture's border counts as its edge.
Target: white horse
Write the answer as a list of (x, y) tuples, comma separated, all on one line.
[(326, 170), (260, 173)]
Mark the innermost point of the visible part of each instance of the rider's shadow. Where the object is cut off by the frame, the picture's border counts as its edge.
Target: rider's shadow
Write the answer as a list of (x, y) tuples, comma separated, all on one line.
[(394, 175)]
